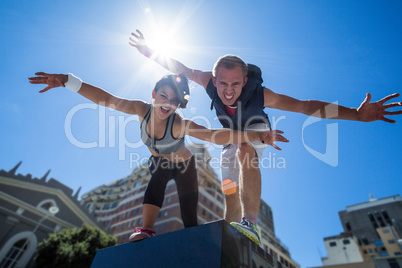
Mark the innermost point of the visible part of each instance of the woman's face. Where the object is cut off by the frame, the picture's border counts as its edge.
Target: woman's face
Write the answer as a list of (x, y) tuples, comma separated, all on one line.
[(166, 101)]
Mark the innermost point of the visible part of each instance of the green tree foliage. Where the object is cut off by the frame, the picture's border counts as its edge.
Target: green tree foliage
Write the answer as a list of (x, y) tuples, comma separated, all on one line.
[(72, 247)]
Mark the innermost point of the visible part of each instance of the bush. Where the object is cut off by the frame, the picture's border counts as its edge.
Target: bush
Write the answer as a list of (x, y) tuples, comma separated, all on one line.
[(72, 247)]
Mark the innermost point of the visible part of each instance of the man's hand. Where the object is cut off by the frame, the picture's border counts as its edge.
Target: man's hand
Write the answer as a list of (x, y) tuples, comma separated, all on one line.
[(368, 112), (269, 137), (138, 41), (51, 80)]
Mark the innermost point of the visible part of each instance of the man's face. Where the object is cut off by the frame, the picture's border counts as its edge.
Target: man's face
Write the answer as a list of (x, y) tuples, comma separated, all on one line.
[(229, 83)]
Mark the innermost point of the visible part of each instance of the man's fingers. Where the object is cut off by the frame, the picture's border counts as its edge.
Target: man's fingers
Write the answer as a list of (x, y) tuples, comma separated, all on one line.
[(388, 120), (393, 113), (387, 98), (394, 104), (368, 98), (140, 33), (133, 41), (136, 36)]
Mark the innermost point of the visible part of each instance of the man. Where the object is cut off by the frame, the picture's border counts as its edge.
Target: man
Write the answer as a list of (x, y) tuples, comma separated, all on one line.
[(239, 100)]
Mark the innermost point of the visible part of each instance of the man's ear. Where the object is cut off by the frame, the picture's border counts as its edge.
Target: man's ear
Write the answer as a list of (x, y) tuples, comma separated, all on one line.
[(153, 93), (245, 81), (214, 81)]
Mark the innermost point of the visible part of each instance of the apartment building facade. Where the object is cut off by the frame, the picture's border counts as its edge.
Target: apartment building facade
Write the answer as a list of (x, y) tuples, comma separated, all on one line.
[(372, 235)]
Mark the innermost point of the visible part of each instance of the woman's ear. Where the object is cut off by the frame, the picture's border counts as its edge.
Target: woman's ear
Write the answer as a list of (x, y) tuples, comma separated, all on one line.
[(153, 94)]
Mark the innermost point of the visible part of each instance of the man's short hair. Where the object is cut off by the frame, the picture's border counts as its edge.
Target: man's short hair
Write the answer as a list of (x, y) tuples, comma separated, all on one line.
[(230, 62)]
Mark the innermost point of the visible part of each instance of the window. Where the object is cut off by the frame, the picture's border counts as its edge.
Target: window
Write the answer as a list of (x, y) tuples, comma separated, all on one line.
[(348, 227), (385, 231), (15, 253), (386, 217), (332, 244), (165, 214), (391, 241), (346, 241), (393, 263), (365, 241)]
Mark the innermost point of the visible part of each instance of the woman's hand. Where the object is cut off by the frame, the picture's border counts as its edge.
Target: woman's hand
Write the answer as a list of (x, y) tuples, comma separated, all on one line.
[(51, 80), (271, 136)]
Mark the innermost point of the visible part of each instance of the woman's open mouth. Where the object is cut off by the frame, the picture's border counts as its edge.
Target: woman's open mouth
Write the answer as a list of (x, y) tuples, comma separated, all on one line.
[(165, 110)]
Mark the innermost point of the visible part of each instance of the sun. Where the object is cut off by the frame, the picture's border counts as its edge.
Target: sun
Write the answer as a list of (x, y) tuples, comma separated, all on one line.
[(164, 41)]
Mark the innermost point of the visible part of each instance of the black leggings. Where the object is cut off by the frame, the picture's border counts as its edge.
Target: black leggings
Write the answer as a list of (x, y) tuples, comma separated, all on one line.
[(185, 176)]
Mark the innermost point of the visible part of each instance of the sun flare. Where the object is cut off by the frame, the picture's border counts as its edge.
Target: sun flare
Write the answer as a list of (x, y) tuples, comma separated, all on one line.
[(164, 41)]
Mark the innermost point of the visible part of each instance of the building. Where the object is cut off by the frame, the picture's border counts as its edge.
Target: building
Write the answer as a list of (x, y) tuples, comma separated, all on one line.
[(30, 210), (118, 206), (372, 234), (269, 242)]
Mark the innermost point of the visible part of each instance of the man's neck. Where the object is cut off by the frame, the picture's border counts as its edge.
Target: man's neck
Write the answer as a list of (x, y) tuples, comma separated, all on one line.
[(234, 105)]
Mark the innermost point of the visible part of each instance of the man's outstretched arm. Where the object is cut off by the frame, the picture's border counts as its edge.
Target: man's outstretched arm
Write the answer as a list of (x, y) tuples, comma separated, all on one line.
[(367, 112), (137, 40)]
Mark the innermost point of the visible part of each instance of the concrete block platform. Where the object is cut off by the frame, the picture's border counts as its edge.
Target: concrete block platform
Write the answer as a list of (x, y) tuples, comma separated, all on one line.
[(215, 244)]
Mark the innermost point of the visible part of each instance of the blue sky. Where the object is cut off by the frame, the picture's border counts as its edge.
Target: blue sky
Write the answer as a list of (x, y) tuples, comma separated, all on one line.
[(335, 51)]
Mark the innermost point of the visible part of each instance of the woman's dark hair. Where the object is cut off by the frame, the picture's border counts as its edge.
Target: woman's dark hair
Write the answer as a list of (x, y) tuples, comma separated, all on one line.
[(179, 83)]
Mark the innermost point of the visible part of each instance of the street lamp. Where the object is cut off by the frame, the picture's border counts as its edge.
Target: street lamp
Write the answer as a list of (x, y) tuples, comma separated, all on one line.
[(53, 210)]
